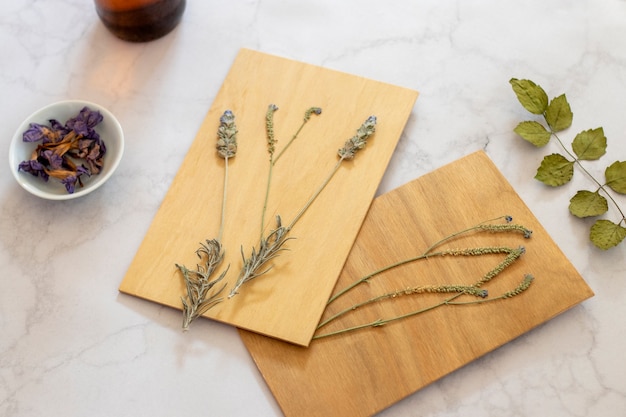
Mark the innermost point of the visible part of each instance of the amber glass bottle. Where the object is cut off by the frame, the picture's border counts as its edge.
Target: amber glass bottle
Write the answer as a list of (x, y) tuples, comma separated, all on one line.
[(140, 20)]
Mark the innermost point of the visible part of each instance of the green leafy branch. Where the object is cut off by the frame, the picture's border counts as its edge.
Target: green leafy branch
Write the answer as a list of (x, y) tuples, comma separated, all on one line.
[(556, 169)]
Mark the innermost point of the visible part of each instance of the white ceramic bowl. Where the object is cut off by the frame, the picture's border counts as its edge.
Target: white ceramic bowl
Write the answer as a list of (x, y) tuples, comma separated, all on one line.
[(109, 130)]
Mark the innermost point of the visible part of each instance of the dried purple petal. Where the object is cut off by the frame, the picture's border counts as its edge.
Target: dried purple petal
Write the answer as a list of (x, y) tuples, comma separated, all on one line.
[(54, 161), (33, 167), (37, 132), (70, 183), (84, 122)]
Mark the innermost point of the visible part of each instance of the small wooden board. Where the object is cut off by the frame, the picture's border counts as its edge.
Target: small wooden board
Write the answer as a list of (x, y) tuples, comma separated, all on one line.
[(287, 302), (361, 373)]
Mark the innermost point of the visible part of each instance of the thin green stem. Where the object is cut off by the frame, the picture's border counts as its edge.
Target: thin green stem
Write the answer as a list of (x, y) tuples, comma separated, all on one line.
[(224, 192), (267, 196), (381, 322), (315, 194), (600, 186), (290, 141)]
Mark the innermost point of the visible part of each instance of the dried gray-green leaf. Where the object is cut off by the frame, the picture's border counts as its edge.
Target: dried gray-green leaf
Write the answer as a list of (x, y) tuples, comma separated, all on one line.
[(533, 132), (615, 176), (590, 144), (588, 204), (530, 95), (605, 234), (555, 170), (559, 115)]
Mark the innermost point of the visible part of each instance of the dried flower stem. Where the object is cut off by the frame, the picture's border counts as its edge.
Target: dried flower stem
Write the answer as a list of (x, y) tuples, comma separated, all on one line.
[(270, 246), (199, 284), (484, 226), (523, 286), (271, 148), (512, 254)]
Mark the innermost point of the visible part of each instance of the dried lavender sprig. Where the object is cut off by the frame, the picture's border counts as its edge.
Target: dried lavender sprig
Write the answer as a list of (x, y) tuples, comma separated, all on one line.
[(348, 152), (199, 283), (226, 148), (358, 141), (270, 246)]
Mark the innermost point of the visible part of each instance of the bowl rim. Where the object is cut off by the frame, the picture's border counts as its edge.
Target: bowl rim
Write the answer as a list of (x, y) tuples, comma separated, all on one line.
[(97, 181)]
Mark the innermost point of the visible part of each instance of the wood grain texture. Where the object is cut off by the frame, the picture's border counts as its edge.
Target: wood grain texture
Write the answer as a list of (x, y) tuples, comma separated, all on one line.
[(361, 373), (287, 302)]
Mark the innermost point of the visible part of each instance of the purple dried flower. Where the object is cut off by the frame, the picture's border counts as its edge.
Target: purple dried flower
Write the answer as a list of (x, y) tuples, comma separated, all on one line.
[(61, 144), (37, 132), (84, 122), (33, 167), (70, 183), (54, 160)]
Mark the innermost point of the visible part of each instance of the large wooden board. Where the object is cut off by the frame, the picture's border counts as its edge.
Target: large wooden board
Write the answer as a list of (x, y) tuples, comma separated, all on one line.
[(360, 373), (287, 302)]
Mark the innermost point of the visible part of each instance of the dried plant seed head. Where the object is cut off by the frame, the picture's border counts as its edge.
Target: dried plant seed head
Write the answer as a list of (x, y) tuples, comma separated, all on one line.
[(358, 141), (269, 128), (310, 111), (227, 136)]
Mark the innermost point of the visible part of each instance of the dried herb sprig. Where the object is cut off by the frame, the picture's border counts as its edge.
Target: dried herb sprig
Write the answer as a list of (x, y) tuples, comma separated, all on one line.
[(199, 298), (484, 226), (512, 254), (556, 169), (198, 282), (270, 246)]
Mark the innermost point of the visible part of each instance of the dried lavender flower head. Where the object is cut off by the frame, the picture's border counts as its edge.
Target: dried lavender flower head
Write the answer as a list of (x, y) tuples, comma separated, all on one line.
[(358, 141), (227, 136)]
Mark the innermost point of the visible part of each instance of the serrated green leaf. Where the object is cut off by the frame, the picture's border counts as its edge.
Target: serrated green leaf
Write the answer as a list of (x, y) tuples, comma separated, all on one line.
[(533, 132), (605, 234), (555, 170), (588, 204), (616, 176), (530, 95), (590, 144), (559, 115)]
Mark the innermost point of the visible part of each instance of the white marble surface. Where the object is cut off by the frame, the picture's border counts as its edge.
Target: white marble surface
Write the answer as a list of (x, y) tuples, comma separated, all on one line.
[(71, 345)]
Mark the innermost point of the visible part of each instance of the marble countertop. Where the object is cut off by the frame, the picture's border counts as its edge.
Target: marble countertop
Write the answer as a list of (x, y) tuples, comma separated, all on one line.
[(72, 345)]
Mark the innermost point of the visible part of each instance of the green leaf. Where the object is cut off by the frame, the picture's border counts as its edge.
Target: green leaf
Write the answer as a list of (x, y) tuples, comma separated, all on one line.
[(555, 170), (588, 204), (590, 144), (534, 133), (605, 234), (616, 176), (530, 95), (558, 114)]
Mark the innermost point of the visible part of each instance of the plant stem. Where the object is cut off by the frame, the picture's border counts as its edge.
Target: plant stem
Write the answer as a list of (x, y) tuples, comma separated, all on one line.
[(315, 194), (424, 255), (223, 214), (267, 196), (523, 286), (600, 186), (512, 256)]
